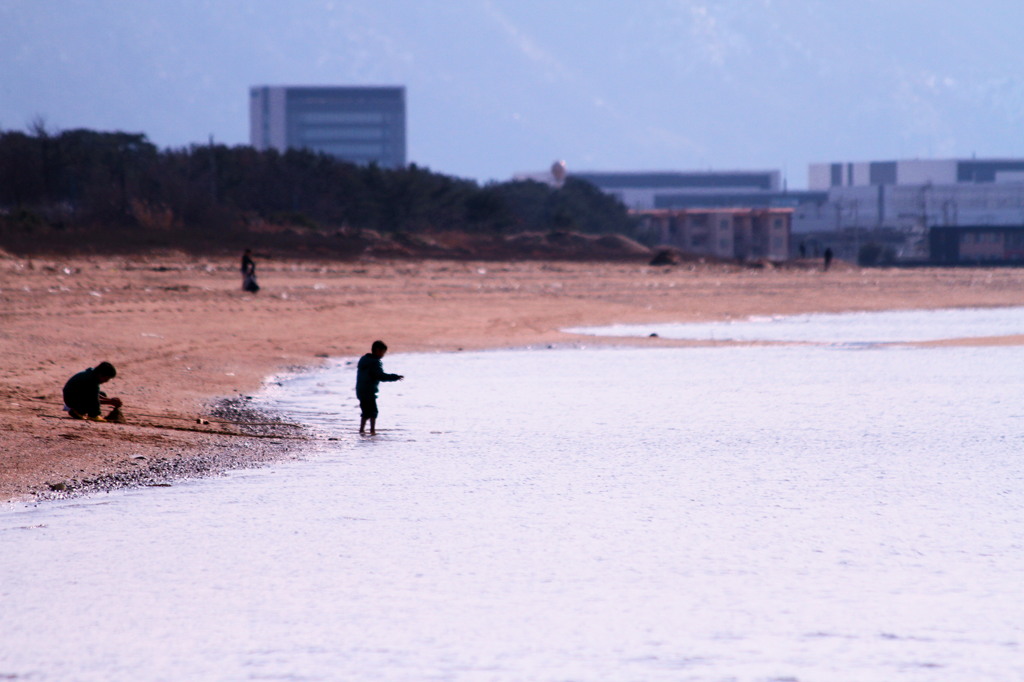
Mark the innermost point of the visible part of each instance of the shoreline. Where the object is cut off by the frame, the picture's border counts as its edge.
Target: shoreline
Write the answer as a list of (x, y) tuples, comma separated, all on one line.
[(185, 338)]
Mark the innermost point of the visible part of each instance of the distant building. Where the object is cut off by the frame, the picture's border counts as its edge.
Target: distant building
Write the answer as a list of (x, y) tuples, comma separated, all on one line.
[(751, 189), (977, 244), (644, 190), (725, 214), (363, 125), (736, 233), (825, 176), (647, 190), (856, 209), (911, 196)]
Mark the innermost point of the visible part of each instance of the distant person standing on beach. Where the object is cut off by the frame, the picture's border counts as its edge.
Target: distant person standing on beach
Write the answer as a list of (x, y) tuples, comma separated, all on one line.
[(369, 375), (828, 258), (249, 273)]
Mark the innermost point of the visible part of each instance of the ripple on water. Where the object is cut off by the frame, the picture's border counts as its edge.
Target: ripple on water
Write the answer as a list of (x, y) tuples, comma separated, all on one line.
[(712, 513)]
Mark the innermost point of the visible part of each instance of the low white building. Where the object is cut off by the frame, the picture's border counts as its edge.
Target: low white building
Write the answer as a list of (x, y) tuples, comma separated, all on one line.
[(647, 190), (677, 189), (916, 194)]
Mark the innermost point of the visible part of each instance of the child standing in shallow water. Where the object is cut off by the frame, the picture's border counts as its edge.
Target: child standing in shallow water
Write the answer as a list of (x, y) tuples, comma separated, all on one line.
[(369, 375)]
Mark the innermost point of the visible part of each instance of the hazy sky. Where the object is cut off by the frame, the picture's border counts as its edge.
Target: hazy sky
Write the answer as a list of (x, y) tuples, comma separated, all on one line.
[(500, 86)]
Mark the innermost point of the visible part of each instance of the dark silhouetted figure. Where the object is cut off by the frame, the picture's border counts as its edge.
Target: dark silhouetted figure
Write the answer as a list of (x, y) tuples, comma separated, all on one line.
[(803, 250), (369, 375), (249, 273), (828, 258), (83, 397)]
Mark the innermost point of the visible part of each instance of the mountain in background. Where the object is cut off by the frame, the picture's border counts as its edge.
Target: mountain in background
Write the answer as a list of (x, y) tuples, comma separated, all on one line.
[(500, 86)]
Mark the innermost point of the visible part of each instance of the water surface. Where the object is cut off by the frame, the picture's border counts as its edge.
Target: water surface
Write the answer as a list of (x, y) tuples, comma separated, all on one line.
[(781, 513), (894, 326)]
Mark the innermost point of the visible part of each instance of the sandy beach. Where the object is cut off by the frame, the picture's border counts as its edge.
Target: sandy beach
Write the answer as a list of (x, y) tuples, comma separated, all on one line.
[(186, 339)]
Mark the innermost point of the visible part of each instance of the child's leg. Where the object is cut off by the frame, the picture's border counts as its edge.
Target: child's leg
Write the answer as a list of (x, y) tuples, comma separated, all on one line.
[(373, 426)]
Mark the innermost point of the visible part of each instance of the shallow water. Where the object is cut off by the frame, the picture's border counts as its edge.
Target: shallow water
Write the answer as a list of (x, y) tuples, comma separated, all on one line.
[(895, 326), (782, 513)]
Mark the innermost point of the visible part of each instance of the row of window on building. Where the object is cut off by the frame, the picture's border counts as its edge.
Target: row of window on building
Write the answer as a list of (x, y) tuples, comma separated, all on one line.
[(734, 234), (364, 125)]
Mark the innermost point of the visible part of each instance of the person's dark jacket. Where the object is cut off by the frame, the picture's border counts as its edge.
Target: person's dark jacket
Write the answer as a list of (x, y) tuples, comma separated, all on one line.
[(370, 373), (82, 393)]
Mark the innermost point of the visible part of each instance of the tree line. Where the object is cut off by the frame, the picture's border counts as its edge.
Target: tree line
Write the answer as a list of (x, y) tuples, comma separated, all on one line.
[(84, 178)]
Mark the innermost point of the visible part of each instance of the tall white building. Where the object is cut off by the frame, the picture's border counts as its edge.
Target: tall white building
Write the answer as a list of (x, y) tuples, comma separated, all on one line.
[(359, 124)]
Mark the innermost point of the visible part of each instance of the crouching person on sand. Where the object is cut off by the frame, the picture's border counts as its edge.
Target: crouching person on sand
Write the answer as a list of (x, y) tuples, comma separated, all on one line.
[(83, 397)]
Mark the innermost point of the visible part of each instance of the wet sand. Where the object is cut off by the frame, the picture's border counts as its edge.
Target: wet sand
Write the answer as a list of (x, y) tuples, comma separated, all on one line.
[(186, 339)]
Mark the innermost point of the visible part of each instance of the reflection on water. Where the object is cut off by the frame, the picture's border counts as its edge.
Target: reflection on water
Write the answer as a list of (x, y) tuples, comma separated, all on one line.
[(783, 513), (895, 326)]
